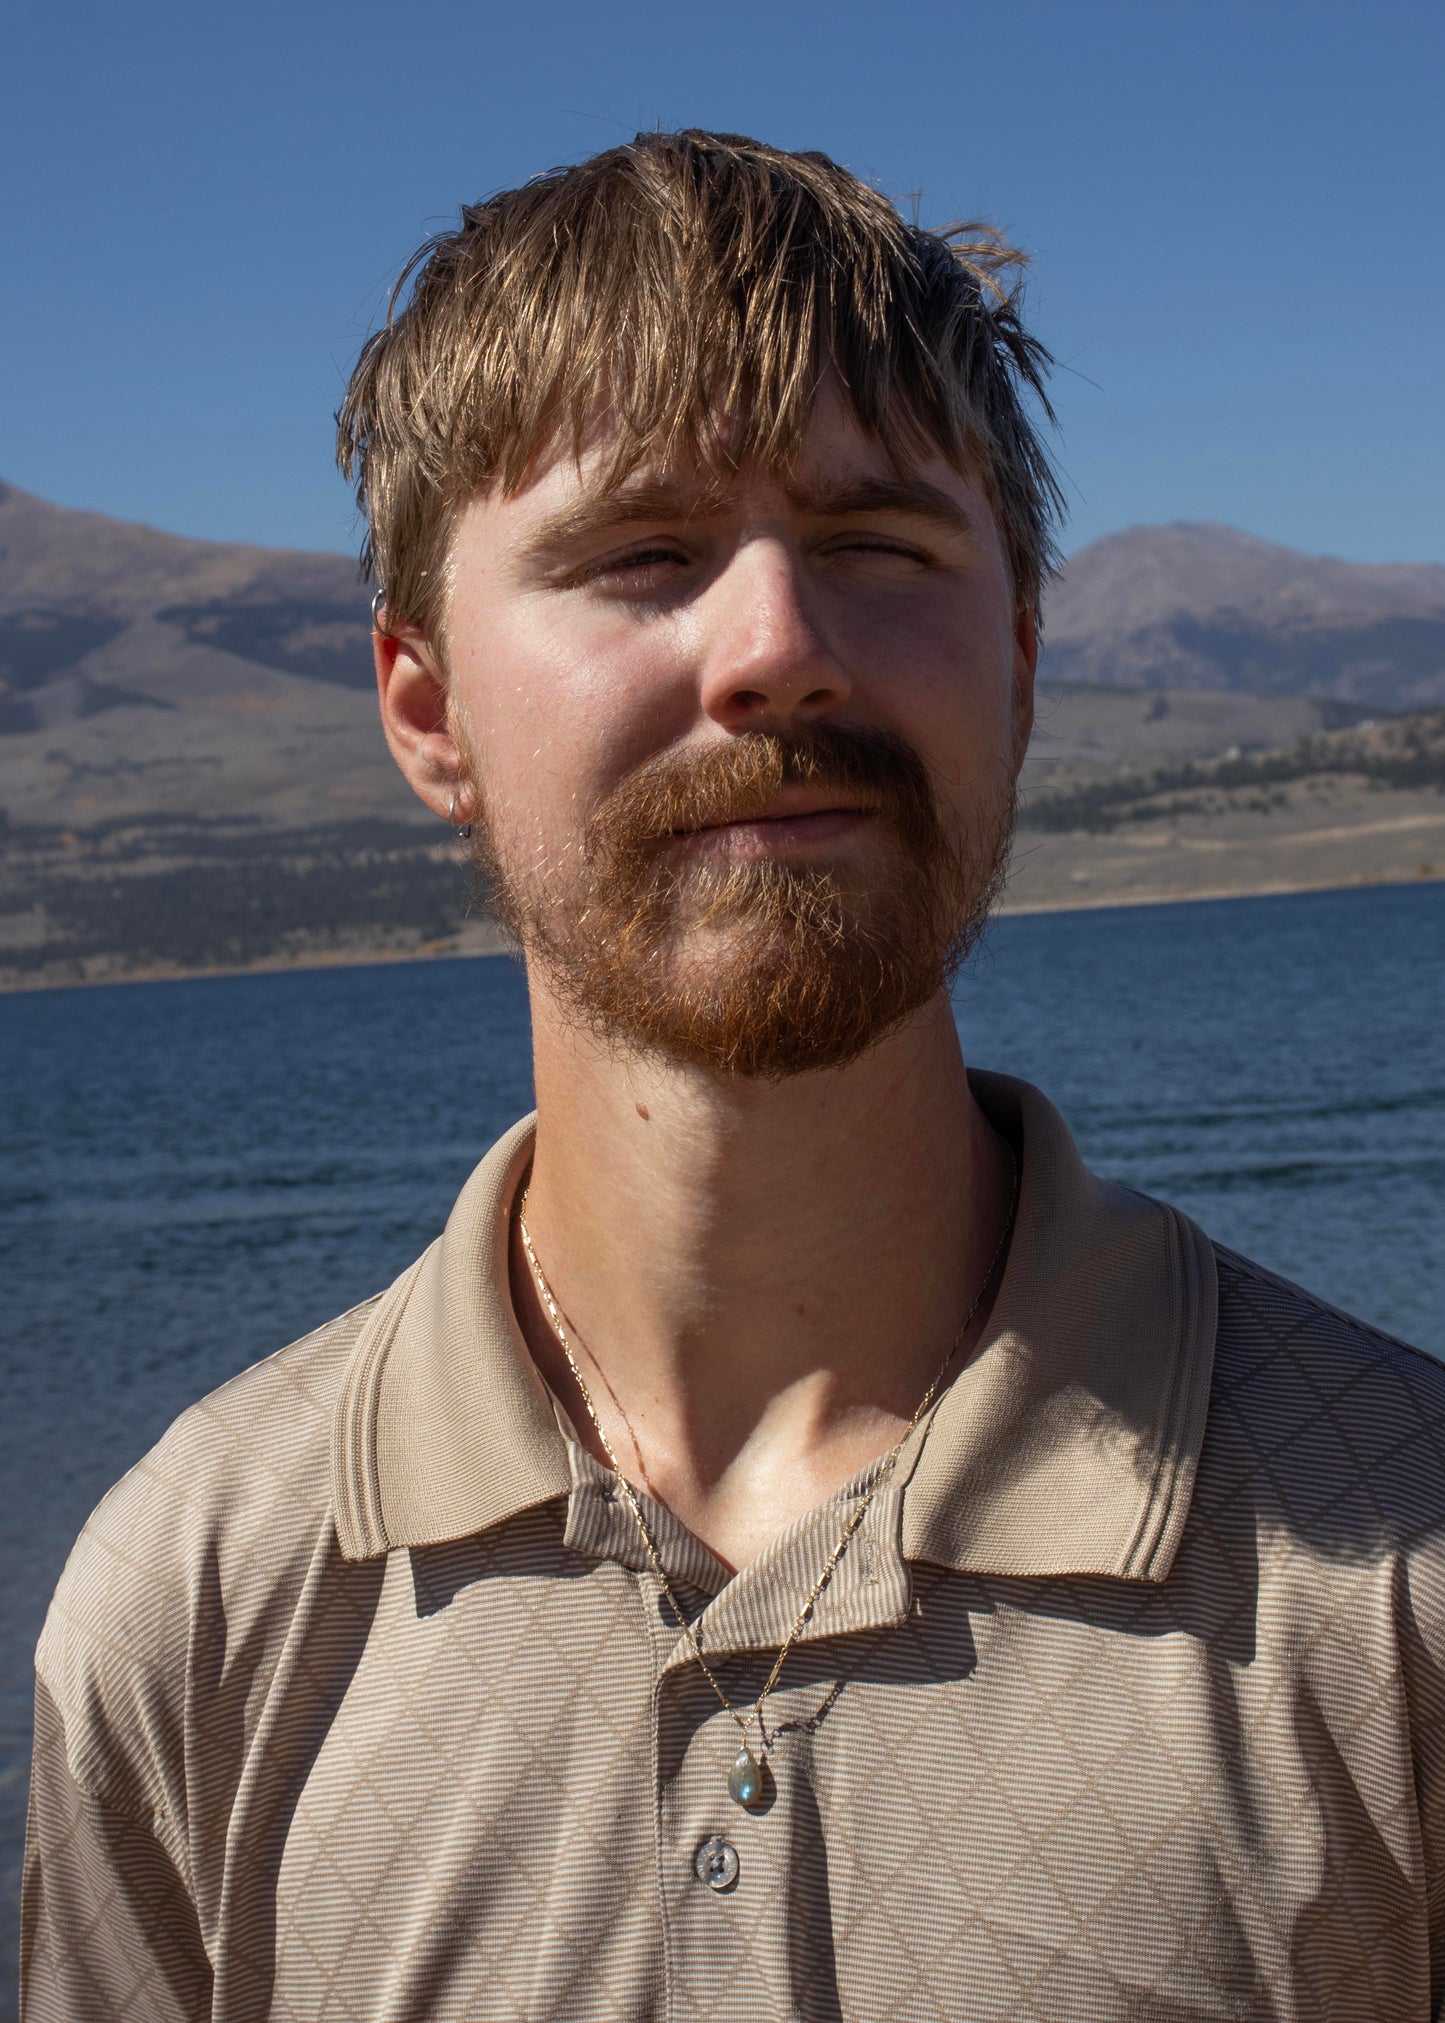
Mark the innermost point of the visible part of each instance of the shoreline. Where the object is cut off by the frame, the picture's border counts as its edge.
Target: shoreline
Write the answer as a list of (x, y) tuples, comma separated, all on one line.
[(1279, 889), (489, 941)]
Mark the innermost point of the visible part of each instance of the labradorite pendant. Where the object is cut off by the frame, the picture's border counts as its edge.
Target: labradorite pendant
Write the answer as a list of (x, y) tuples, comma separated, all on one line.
[(745, 1779)]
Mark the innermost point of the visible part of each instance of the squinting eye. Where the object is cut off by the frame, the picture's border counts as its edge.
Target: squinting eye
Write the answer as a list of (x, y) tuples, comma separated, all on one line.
[(646, 558), (889, 551)]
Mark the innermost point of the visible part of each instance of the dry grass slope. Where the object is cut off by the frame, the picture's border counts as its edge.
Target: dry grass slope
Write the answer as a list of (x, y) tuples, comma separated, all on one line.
[(192, 776)]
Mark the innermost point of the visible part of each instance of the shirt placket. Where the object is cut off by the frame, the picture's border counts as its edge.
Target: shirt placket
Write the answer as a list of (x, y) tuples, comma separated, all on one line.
[(743, 1891), (744, 1888)]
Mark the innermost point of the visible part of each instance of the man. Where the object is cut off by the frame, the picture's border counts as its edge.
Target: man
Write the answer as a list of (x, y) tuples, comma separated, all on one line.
[(797, 1545)]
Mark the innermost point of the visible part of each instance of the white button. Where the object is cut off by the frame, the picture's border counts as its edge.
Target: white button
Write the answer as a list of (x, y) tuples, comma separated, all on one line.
[(716, 1863)]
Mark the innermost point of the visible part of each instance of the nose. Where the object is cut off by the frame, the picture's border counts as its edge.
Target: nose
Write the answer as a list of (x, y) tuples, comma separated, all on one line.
[(766, 661)]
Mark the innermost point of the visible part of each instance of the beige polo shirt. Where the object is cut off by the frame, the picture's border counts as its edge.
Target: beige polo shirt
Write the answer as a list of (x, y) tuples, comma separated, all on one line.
[(358, 1699)]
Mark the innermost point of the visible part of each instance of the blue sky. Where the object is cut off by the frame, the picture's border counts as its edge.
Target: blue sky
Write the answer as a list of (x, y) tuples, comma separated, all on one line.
[(1235, 212)]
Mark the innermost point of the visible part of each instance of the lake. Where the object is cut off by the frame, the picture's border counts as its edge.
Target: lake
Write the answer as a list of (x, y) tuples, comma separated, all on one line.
[(194, 1173)]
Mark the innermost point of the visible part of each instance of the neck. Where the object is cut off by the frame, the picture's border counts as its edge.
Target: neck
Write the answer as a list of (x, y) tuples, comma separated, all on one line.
[(761, 1280)]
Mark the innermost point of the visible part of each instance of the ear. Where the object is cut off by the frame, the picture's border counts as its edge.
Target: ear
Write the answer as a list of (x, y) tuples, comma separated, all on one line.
[(1025, 667), (413, 696)]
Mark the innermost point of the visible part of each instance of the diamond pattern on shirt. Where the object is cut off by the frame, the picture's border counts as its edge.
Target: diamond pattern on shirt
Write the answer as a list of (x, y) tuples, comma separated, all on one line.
[(470, 1779)]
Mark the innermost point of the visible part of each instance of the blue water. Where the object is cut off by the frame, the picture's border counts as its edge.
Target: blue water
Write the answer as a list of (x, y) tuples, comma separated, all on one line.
[(193, 1173)]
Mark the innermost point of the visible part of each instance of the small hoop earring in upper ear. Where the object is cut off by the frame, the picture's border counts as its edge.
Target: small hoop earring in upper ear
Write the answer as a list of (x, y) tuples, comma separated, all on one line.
[(462, 829), (378, 605)]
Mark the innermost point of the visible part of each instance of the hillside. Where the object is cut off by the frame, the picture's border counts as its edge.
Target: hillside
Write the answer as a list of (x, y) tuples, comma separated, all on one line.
[(192, 774), (1198, 606), (1344, 807), (73, 583), (98, 615)]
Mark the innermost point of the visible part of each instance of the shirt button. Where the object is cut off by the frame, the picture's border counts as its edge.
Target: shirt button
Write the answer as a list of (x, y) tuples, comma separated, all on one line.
[(716, 1863)]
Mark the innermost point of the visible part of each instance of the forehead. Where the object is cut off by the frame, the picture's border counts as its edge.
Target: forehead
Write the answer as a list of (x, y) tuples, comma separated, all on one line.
[(837, 465)]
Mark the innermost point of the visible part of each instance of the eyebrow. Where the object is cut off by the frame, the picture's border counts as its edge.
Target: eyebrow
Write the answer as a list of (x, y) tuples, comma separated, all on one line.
[(654, 500), (631, 505), (845, 498)]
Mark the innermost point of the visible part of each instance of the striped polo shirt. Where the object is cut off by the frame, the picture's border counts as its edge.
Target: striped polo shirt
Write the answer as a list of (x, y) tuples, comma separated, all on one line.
[(359, 1699)]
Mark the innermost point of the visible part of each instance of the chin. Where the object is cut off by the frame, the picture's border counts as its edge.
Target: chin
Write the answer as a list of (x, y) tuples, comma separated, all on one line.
[(764, 968), (756, 1001)]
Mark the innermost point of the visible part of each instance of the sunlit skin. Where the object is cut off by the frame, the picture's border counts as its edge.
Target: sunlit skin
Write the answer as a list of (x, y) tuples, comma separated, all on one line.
[(763, 1276)]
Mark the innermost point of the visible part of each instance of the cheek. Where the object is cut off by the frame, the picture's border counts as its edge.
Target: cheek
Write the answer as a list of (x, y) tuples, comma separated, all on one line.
[(945, 681), (554, 715)]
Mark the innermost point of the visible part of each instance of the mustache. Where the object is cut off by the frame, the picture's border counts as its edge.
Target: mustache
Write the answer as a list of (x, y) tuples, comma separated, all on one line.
[(738, 780)]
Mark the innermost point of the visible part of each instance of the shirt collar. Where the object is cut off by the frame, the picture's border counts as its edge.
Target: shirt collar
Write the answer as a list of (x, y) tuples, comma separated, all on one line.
[(1067, 1445), (1070, 1441)]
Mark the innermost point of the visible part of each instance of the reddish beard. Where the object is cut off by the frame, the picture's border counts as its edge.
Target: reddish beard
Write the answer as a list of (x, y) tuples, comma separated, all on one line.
[(757, 966)]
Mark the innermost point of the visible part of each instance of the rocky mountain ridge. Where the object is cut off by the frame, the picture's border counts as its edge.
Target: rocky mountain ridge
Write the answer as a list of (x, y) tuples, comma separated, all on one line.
[(95, 614), (192, 774), (1194, 605)]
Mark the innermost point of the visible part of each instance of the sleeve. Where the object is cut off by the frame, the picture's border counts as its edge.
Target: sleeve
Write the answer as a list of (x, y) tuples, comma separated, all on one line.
[(108, 1929), (1421, 1617)]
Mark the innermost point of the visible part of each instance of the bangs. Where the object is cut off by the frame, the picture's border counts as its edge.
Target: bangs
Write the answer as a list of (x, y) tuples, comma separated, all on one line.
[(681, 299), (698, 327)]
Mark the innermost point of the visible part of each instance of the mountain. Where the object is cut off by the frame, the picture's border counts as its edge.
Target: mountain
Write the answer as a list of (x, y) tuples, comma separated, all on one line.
[(142, 675), (88, 603), (1203, 606), (98, 615), (192, 774)]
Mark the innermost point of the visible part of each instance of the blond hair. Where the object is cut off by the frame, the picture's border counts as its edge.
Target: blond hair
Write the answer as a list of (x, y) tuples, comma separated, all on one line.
[(686, 293)]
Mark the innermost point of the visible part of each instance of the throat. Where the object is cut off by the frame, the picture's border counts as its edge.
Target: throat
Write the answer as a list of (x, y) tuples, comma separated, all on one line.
[(765, 1491), (743, 1294)]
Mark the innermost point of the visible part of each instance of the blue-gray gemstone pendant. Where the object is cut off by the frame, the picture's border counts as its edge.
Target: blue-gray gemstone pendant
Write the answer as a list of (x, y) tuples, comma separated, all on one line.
[(745, 1779)]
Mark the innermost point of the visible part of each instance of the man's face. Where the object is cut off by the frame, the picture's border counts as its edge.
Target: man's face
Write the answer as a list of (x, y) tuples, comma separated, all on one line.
[(744, 752)]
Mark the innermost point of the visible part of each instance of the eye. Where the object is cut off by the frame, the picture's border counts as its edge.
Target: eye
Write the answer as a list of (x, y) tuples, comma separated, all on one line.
[(644, 558), (639, 561), (879, 551)]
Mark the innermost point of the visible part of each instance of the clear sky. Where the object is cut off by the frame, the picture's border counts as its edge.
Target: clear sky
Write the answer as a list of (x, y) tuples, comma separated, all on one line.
[(1235, 210)]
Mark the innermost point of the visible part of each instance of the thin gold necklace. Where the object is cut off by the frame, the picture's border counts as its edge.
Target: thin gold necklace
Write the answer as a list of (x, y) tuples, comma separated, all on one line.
[(745, 1779)]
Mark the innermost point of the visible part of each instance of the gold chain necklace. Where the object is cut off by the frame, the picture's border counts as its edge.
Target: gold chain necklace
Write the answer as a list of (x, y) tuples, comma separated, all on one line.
[(745, 1779)]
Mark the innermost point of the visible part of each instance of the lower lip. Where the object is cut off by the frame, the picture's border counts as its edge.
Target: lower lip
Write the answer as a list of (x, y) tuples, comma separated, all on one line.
[(779, 835)]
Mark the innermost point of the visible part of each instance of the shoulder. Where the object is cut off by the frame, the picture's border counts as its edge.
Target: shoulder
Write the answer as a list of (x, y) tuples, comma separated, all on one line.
[(186, 1578), (1345, 1424)]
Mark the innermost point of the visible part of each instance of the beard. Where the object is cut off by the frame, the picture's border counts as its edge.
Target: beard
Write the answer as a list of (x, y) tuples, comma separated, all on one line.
[(755, 966)]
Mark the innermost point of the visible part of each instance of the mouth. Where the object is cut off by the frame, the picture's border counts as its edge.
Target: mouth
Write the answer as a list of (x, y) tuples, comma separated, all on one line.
[(794, 821)]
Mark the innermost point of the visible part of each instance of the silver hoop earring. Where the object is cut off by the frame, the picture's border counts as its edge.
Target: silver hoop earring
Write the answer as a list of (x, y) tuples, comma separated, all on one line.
[(378, 605), (461, 829)]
